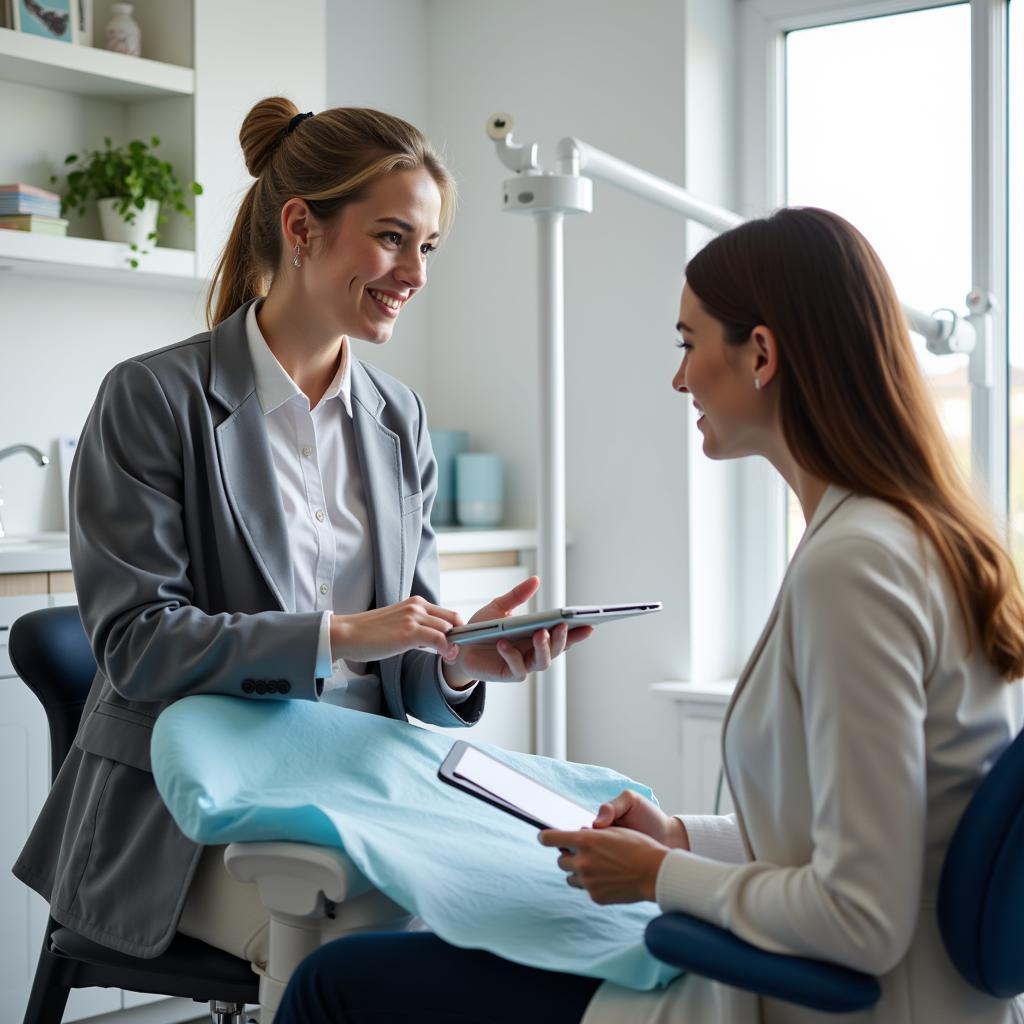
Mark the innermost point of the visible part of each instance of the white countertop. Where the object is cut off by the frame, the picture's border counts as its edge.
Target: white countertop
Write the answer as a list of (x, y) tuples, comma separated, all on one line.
[(48, 552), (35, 552)]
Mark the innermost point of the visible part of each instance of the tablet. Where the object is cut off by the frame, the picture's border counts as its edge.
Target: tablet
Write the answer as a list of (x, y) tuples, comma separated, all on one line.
[(517, 625), (485, 777)]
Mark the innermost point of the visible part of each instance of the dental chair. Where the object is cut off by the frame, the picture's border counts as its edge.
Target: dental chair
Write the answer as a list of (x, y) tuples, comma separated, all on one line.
[(980, 909), (301, 885)]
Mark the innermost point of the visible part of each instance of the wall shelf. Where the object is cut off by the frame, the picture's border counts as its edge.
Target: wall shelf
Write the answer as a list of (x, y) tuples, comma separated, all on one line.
[(89, 259), (89, 71)]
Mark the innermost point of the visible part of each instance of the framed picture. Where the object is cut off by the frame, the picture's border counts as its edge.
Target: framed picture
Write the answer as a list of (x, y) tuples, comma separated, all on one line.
[(48, 19)]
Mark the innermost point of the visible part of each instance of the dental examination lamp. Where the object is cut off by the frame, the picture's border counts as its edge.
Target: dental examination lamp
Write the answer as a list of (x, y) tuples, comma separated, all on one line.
[(549, 196)]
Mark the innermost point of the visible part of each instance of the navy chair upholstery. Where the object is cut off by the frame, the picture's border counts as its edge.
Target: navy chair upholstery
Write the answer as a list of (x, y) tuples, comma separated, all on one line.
[(980, 907), (703, 948), (981, 889), (50, 652)]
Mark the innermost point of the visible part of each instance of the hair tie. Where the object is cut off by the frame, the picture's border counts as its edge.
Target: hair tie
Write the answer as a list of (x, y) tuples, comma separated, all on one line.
[(296, 121)]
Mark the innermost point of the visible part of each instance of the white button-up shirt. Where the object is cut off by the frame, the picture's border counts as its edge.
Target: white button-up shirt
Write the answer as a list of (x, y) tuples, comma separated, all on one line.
[(321, 487)]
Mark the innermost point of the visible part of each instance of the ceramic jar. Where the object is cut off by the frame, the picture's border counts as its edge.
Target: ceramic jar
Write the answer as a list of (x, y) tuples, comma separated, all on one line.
[(479, 488), (446, 444), (122, 33)]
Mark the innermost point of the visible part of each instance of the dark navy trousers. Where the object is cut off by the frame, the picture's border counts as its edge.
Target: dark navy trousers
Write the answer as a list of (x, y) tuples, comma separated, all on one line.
[(416, 978)]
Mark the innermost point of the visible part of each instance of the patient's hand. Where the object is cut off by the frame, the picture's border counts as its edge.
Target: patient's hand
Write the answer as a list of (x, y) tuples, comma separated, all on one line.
[(633, 811), (511, 660), (614, 865)]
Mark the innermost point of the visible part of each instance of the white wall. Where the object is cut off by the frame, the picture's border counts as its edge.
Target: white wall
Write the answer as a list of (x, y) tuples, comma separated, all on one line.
[(57, 341), (614, 75), (377, 56)]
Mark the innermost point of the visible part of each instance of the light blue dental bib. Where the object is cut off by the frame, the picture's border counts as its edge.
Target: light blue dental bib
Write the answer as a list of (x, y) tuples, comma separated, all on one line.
[(234, 770)]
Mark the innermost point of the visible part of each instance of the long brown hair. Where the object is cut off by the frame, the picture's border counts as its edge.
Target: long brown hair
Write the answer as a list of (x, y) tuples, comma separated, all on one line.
[(328, 160), (854, 405)]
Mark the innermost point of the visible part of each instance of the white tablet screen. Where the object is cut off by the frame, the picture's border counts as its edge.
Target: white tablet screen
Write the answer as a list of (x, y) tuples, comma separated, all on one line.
[(536, 800)]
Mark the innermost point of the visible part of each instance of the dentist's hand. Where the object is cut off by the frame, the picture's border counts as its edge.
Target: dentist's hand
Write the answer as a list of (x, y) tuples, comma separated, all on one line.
[(512, 659), (395, 629)]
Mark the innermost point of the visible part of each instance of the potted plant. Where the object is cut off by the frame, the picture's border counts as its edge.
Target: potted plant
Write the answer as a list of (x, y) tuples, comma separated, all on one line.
[(133, 188)]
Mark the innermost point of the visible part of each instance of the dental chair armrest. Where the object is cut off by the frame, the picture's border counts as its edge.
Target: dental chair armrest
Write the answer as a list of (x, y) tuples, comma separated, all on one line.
[(712, 952), (294, 878)]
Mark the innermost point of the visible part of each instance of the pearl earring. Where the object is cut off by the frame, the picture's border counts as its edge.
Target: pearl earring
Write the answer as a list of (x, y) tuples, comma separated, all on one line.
[(757, 383), (297, 258)]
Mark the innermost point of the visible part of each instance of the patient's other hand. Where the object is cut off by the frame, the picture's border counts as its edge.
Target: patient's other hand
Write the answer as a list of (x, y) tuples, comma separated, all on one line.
[(511, 660), (633, 811)]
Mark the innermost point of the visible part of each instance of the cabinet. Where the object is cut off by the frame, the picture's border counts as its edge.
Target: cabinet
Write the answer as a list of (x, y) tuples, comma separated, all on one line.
[(700, 711), (469, 580), (204, 66), (25, 768)]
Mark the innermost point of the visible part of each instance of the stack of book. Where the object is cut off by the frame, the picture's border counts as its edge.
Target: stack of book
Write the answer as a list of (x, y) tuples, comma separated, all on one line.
[(28, 208)]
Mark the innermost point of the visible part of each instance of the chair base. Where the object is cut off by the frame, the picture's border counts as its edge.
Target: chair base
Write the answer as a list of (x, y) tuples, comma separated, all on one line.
[(189, 969)]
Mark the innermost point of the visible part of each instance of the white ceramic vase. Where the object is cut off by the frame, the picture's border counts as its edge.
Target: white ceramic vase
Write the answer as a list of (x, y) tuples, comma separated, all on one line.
[(116, 230), (122, 33)]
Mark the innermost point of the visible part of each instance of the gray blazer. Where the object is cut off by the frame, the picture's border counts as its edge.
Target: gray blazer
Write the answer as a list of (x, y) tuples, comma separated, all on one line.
[(181, 566)]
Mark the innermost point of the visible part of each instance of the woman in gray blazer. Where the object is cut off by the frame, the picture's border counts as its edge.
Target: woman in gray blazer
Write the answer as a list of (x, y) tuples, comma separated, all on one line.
[(252, 518), (884, 685)]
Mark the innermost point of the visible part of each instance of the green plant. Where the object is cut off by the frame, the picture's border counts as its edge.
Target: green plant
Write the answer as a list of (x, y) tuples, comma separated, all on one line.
[(131, 174)]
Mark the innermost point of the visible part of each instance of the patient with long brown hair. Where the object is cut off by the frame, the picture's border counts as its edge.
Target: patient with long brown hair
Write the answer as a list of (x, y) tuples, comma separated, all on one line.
[(881, 690)]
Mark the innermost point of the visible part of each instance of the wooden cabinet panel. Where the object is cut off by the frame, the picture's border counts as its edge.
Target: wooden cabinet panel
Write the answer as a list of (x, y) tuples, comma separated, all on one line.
[(21, 584)]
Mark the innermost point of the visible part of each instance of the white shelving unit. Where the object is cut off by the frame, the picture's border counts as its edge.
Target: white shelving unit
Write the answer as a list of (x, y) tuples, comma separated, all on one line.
[(90, 93), (86, 71), (90, 259)]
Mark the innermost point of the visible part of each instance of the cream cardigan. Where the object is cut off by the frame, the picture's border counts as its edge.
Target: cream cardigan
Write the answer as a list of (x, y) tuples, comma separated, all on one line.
[(855, 737)]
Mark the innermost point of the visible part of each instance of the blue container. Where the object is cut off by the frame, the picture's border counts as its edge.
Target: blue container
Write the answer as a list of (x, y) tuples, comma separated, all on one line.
[(479, 488), (447, 444)]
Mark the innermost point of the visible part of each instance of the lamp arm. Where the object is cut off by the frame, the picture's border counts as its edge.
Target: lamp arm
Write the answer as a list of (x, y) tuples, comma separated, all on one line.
[(943, 335)]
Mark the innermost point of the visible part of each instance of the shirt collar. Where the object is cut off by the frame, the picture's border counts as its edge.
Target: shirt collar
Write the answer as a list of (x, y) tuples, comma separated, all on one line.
[(273, 385)]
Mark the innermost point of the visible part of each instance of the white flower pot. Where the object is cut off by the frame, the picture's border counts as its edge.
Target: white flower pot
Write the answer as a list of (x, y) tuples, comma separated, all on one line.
[(116, 230)]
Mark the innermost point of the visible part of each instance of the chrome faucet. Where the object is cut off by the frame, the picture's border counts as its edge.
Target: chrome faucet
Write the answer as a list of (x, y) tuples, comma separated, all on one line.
[(41, 460)]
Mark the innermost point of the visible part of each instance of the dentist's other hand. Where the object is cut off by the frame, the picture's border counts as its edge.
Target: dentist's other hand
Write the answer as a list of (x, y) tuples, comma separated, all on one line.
[(383, 632), (513, 659), (631, 810)]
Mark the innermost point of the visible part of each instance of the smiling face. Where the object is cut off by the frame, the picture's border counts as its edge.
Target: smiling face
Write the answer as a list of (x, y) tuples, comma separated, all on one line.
[(734, 416), (373, 257)]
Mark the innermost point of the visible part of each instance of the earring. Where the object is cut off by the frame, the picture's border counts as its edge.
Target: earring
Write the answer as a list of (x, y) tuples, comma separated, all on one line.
[(757, 383), (297, 258)]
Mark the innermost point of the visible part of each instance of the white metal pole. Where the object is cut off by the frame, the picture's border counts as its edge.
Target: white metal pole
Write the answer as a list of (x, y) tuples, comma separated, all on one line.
[(988, 296), (550, 707)]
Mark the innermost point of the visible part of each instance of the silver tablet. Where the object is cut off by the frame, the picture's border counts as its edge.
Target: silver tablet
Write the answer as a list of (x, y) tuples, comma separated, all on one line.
[(510, 790), (517, 625)]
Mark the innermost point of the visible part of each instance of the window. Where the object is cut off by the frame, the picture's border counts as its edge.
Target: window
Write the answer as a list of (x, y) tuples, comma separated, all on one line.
[(886, 150), (892, 113)]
